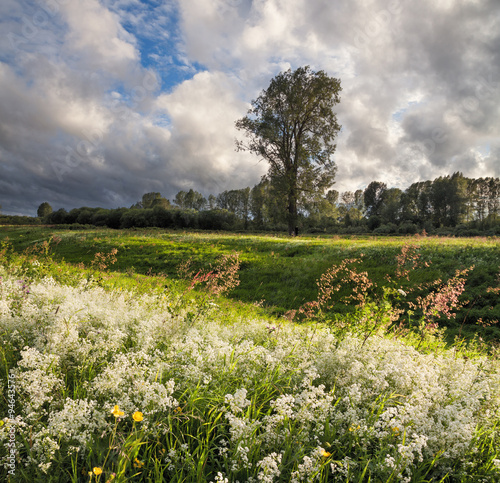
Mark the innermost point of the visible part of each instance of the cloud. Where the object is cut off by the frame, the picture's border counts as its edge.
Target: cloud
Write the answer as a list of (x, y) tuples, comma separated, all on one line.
[(102, 101), (207, 105), (97, 39)]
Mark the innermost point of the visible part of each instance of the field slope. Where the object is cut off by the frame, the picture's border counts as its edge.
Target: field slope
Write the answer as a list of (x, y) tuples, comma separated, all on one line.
[(121, 377)]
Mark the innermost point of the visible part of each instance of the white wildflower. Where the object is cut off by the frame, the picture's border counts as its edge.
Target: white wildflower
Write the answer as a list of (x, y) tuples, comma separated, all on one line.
[(269, 468)]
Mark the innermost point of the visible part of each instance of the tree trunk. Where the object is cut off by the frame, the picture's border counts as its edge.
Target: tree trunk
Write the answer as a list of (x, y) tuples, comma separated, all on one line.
[(292, 213)]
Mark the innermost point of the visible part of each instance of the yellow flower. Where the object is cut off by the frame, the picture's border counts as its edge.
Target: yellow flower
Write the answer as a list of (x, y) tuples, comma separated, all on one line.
[(326, 454), (97, 471), (137, 416), (138, 464), (178, 409), (116, 412)]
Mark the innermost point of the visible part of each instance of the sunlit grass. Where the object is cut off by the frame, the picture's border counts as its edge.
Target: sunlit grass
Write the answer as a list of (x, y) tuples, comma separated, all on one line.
[(226, 392), (279, 272)]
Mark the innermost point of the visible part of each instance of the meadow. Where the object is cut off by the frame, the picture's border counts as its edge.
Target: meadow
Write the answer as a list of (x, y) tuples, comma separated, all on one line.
[(212, 357), (279, 274)]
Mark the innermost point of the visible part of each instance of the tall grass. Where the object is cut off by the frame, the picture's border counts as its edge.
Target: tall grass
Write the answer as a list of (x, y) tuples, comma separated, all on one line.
[(168, 383), (280, 274)]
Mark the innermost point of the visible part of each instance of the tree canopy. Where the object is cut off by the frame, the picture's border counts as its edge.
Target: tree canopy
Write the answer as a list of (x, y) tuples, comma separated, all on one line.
[(293, 127), (44, 210), (190, 200)]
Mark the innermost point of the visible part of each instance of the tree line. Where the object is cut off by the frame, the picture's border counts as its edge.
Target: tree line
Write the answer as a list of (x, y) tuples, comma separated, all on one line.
[(451, 204)]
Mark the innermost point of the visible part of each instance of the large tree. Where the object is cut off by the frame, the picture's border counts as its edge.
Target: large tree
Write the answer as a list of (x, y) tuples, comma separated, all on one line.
[(237, 202), (44, 210), (448, 195), (293, 127), (150, 200), (373, 198)]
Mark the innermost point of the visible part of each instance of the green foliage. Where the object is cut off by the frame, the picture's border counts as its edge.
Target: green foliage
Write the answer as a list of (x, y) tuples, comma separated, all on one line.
[(293, 127), (152, 200), (44, 210), (448, 206), (374, 198), (448, 196), (18, 220), (190, 200)]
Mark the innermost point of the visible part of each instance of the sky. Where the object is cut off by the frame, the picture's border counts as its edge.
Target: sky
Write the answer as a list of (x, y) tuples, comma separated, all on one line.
[(102, 101)]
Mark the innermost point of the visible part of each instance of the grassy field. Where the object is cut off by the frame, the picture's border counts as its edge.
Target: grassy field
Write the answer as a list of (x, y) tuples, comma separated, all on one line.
[(120, 366), (280, 274)]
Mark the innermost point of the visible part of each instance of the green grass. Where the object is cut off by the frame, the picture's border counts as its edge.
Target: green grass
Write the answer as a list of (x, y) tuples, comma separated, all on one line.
[(228, 389), (280, 273)]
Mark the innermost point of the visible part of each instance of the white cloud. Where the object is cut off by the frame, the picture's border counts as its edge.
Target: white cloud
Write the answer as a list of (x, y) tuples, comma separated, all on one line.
[(202, 112), (96, 35)]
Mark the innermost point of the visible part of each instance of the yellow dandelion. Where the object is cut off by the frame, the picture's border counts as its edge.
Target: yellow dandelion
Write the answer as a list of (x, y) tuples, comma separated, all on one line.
[(97, 471), (325, 454), (138, 416), (116, 412)]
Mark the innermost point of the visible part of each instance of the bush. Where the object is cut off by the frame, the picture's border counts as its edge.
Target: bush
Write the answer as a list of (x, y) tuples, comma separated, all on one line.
[(163, 218), (136, 218), (408, 228), (18, 220), (374, 222), (386, 229), (59, 217), (185, 218), (218, 220)]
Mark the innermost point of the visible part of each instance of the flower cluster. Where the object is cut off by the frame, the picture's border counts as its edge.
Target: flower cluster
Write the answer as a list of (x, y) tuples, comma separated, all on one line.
[(284, 405), (220, 278), (334, 280)]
